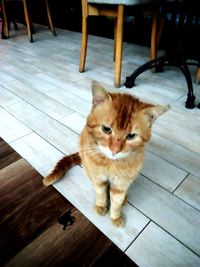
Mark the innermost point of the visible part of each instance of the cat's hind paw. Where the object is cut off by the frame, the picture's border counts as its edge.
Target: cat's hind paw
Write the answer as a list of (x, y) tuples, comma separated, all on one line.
[(119, 222), (100, 210)]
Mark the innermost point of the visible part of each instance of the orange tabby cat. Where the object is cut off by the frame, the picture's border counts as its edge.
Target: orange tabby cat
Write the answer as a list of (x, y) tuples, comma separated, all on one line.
[(112, 146)]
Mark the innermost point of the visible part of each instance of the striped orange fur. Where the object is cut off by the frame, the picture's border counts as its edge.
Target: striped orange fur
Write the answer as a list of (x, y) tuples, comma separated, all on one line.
[(112, 147)]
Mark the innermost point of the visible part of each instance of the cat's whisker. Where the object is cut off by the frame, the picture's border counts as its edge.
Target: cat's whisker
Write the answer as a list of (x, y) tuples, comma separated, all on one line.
[(91, 150), (92, 147), (87, 149)]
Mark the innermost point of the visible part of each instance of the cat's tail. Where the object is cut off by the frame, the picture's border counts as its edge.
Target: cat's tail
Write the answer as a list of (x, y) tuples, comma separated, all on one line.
[(61, 167)]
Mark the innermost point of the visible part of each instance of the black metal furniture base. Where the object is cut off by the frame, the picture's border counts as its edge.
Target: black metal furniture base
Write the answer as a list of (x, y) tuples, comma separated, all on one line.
[(158, 63)]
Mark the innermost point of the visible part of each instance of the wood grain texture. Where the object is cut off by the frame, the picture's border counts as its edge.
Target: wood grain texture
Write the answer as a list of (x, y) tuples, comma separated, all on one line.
[(29, 229), (7, 155)]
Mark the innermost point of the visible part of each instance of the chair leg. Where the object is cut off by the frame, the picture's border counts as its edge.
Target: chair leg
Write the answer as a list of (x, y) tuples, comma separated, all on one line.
[(28, 20), (155, 38), (49, 18), (5, 29), (153, 54), (198, 75), (160, 29), (15, 25), (190, 102), (152, 64), (119, 45), (115, 34), (84, 38)]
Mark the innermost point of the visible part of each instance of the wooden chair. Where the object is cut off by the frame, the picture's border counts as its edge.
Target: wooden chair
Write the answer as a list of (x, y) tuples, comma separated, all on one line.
[(27, 18), (117, 9)]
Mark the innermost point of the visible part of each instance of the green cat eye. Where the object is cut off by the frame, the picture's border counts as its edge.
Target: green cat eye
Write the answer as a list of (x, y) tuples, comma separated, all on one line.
[(131, 136), (106, 129)]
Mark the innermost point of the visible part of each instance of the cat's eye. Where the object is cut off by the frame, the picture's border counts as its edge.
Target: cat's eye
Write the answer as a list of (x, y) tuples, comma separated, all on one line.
[(106, 129), (131, 136)]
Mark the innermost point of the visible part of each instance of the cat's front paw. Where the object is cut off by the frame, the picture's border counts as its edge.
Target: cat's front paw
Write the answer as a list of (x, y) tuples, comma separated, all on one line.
[(119, 222), (100, 210), (125, 201)]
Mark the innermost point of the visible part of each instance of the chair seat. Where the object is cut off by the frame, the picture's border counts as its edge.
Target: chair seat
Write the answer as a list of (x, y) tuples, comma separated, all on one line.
[(122, 2)]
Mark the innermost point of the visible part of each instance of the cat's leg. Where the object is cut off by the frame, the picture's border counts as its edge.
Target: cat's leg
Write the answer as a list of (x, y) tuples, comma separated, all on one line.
[(125, 201), (101, 197), (117, 198)]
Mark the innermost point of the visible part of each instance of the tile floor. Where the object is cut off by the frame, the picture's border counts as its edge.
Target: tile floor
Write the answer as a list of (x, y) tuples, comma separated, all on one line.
[(44, 101)]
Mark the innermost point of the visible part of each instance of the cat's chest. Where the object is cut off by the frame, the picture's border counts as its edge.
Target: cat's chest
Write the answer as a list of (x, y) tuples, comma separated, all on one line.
[(117, 178), (119, 171), (102, 169)]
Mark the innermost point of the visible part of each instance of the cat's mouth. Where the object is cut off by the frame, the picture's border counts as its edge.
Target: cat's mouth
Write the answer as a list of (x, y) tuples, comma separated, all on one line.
[(108, 153)]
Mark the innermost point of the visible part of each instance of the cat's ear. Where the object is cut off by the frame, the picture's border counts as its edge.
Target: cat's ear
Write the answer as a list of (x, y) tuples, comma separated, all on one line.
[(154, 112), (100, 95)]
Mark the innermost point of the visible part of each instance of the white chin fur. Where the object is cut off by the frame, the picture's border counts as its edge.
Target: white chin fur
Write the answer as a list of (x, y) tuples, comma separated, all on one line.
[(107, 152)]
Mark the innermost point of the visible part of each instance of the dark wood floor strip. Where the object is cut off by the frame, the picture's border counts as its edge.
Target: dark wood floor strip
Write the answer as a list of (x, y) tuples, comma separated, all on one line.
[(7, 154), (30, 234)]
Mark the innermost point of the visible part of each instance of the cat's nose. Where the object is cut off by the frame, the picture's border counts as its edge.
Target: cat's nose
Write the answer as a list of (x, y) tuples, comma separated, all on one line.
[(116, 146), (115, 150)]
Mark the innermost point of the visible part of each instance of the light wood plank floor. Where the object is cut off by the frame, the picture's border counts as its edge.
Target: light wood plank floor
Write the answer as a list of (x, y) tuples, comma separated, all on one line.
[(44, 101)]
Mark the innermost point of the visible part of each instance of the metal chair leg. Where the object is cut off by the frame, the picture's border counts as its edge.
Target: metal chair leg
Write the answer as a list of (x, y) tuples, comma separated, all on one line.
[(190, 102), (130, 80), (164, 61)]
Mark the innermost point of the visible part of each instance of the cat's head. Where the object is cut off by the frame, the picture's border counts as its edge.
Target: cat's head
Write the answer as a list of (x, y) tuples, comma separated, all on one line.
[(120, 123)]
